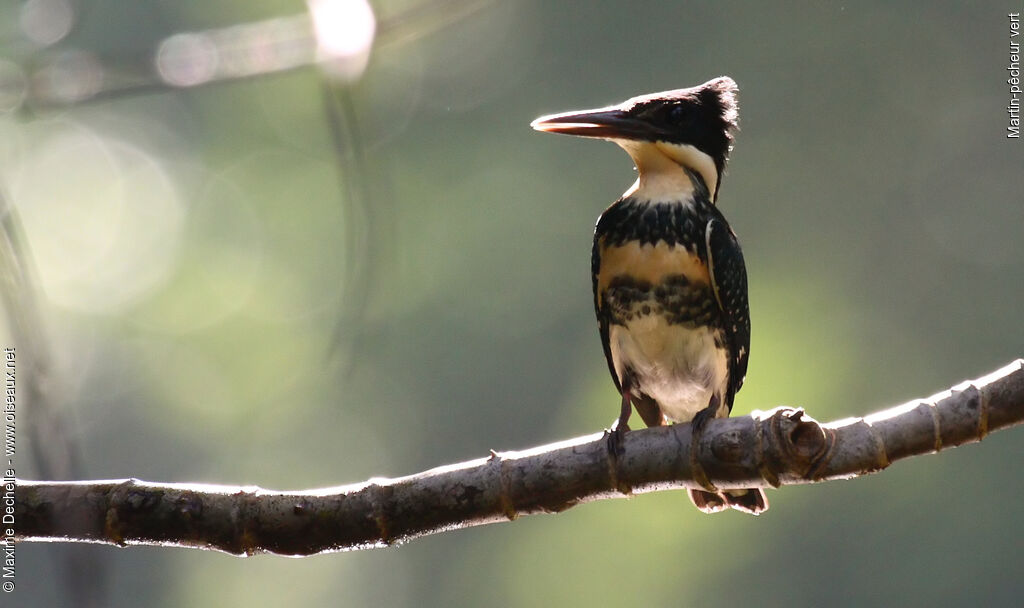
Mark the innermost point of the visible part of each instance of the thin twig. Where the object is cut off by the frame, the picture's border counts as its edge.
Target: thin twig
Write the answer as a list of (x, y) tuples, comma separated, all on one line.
[(54, 448), (360, 217), (139, 78)]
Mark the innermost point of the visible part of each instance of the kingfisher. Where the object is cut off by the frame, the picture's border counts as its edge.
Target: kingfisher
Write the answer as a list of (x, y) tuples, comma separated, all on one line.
[(670, 284)]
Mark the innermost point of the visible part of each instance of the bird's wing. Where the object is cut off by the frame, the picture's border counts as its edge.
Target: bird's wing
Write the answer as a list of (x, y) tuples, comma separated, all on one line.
[(603, 318), (729, 282)]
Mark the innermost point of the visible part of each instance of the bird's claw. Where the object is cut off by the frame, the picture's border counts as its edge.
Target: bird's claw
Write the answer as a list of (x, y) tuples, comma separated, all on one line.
[(616, 435)]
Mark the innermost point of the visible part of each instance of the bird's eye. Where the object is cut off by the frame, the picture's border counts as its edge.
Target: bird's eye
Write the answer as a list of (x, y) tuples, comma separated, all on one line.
[(679, 115)]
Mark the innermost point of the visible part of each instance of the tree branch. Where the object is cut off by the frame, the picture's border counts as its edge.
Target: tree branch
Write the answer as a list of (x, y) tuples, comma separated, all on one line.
[(776, 448)]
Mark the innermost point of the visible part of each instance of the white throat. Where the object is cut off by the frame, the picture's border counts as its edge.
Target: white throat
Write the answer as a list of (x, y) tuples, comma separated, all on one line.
[(662, 170)]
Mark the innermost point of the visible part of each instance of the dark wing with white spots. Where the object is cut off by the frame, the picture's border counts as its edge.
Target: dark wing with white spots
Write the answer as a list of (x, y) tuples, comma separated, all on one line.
[(603, 318), (729, 282)]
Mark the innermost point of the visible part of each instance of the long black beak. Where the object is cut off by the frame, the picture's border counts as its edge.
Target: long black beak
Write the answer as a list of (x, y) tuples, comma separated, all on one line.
[(605, 123)]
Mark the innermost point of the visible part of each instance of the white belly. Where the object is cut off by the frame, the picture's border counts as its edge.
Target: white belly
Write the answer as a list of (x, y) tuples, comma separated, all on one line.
[(677, 366)]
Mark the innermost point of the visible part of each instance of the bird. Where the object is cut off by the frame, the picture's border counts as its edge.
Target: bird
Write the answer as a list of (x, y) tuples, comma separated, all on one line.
[(669, 279)]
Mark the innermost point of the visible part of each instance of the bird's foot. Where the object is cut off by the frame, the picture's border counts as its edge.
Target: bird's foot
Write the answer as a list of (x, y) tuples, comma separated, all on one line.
[(698, 424), (616, 435), (621, 426)]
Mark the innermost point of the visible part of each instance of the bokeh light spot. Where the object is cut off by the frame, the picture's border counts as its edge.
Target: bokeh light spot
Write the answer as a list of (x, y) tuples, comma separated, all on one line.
[(186, 60), (71, 76), (344, 33), (46, 22), (103, 218)]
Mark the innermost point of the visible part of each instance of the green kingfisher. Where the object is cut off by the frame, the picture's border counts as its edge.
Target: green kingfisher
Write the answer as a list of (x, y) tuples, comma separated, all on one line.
[(670, 285)]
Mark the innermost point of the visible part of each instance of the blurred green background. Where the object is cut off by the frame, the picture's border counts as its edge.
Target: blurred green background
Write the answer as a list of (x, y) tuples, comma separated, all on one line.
[(232, 294)]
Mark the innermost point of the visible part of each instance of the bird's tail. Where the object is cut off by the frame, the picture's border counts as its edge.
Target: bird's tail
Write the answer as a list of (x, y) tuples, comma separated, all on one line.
[(751, 501)]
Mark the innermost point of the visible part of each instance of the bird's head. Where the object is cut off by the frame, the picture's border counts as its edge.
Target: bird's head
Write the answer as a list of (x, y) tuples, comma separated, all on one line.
[(688, 127)]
